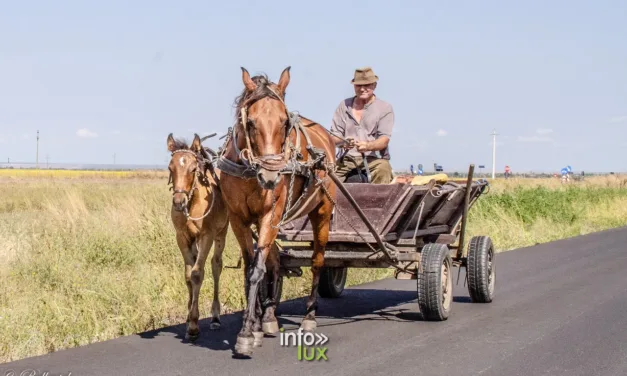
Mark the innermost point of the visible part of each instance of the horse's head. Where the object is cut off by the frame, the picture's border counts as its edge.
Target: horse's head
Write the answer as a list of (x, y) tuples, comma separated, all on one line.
[(263, 115), (184, 167)]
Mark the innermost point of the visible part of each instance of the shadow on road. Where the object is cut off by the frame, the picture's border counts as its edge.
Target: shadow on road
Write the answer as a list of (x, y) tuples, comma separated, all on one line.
[(355, 304)]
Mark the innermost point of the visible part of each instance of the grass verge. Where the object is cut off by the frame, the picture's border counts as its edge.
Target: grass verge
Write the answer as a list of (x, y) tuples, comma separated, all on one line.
[(84, 261)]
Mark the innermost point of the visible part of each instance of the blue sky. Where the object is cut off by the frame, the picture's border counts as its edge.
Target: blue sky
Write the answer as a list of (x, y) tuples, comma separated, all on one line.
[(98, 78)]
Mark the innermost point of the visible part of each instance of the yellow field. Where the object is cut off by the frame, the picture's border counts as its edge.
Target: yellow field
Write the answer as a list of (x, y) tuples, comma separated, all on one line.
[(87, 256), (81, 174)]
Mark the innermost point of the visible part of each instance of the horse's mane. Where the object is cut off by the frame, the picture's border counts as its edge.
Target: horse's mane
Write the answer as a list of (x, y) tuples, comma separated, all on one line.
[(181, 144), (263, 90)]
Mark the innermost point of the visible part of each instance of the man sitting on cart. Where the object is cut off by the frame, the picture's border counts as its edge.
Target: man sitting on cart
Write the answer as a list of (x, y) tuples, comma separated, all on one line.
[(366, 122)]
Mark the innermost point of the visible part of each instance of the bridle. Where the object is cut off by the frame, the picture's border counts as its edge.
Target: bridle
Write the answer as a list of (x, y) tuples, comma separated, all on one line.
[(199, 175), (269, 162), (286, 163)]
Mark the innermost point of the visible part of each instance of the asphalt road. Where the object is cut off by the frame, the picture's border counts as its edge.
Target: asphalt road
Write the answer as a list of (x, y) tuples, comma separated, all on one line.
[(560, 309)]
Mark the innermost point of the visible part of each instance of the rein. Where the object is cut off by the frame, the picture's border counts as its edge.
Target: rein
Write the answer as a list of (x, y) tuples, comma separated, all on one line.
[(189, 195), (270, 162), (286, 163)]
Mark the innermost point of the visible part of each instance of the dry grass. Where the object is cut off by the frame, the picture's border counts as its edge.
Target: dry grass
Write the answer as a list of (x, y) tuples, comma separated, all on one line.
[(89, 259), (81, 174)]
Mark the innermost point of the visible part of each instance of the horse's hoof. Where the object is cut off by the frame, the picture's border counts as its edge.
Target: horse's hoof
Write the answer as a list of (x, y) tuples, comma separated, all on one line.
[(244, 346), (270, 327), (308, 325), (258, 339), (192, 336), (215, 324)]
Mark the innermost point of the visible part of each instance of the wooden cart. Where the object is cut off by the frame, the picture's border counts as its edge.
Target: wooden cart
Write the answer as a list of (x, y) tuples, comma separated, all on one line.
[(416, 229)]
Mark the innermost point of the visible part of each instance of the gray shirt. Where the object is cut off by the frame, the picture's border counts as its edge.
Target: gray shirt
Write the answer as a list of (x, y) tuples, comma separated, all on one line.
[(377, 120)]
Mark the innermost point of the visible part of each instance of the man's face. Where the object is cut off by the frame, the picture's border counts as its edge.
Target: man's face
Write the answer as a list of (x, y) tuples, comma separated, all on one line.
[(365, 92)]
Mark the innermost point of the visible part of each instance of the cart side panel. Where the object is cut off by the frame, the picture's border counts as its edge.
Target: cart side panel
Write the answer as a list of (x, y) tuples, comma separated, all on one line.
[(455, 219), (378, 202), (407, 212), (430, 204), (453, 205)]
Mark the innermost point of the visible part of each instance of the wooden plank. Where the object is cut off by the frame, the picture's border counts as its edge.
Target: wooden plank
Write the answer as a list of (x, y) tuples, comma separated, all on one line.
[(337, 263), (418, 212), (307, 236), (375, 200), (332, 255), (400, 209), (449, 206), (403, 209), (441, 229)]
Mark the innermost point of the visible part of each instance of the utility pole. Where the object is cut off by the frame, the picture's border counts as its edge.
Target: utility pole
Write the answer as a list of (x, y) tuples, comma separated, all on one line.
[(494, 134), (47, 162), (37, 157), (113, 158)]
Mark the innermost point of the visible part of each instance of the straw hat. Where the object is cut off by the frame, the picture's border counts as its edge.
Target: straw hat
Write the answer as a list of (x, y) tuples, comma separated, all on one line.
[(364, 76)]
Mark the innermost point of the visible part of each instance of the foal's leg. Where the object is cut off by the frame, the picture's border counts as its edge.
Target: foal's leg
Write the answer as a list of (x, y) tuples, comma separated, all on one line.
[(204, 244), (320, 220), (185, 245), (216, 271)]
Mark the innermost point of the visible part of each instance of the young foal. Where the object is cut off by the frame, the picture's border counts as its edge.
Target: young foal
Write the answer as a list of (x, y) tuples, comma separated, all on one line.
[(265, 140), (200, 219)]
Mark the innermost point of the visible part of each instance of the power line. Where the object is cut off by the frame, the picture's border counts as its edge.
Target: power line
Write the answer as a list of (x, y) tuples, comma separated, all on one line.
[(494, 134), (37, 157)]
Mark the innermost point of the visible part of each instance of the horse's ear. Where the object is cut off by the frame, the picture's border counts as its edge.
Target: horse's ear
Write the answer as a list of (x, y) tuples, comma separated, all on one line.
[(196, 144), (170, 143), (284, 80), (248, 82)]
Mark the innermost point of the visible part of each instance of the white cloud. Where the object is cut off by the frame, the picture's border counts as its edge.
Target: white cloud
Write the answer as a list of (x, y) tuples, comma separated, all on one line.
[(86, 133), (534, 139), (442, 133), (541, 136), (618, 119)]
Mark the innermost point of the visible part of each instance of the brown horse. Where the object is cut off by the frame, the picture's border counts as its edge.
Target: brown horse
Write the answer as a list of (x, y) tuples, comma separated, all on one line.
[(273, 159), (200, 218)]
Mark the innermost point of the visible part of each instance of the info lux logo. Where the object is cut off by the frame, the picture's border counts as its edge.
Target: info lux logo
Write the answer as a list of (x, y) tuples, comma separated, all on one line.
[(308, 344)]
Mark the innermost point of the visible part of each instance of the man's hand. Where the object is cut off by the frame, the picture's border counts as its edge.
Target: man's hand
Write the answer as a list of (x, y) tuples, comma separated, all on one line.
[(363, 146), (349, 144)]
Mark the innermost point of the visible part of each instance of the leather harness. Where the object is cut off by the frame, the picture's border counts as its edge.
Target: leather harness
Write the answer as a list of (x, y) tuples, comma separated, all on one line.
[(287, 164)]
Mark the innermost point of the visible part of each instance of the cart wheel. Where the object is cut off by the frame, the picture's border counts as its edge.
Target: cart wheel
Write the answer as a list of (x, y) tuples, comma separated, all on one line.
[(278, 294), (332, 281), (481, 270), (435, 282), (279, 291), (266, 292)]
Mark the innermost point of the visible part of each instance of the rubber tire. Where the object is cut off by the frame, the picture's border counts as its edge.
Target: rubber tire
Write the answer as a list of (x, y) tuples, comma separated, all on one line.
[(434, 257), (327, 288), (481, 278), (279, 292)]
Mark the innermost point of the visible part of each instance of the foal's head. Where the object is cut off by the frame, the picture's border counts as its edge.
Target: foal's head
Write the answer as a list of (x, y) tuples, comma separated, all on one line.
[(184, 166), (266, 123)]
